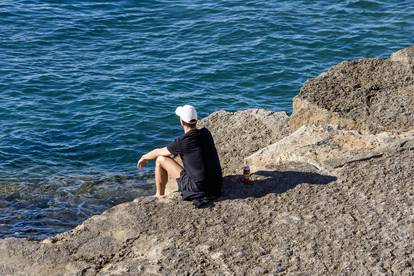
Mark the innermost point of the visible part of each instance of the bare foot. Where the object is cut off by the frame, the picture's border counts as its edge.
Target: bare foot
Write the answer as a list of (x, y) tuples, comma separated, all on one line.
[(162, 198)]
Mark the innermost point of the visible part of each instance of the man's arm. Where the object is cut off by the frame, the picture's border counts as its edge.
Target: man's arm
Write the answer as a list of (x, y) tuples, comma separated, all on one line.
[(152, 155)]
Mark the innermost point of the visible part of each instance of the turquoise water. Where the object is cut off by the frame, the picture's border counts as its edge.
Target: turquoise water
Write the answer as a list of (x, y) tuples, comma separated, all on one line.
[(88, 86)]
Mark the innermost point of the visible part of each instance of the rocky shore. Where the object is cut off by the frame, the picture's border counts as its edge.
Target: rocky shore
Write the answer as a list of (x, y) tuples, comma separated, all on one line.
[(333, 193)]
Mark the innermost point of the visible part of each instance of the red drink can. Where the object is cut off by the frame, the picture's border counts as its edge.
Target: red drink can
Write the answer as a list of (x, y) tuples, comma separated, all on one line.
[(246, 175)]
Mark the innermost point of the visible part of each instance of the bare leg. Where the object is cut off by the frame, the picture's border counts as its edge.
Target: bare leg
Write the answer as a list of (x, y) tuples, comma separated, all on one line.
[(165, 166)]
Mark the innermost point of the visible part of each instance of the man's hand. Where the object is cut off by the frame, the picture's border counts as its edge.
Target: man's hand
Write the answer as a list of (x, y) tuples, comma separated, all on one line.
[(142, 162)]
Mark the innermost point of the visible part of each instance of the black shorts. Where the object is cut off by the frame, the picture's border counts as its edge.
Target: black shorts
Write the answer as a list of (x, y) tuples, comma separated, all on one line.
[(189, 190)]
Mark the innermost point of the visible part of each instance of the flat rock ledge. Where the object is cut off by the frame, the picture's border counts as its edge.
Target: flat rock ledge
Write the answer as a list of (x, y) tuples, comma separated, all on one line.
[(369, 95), (333, 193)]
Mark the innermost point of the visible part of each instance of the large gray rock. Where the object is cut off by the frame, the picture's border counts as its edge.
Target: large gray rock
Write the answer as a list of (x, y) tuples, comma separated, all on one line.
[(369, 95), (239, 134)]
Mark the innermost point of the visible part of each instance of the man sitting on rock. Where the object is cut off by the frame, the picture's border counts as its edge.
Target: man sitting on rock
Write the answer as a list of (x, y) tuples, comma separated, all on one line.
[(201, 176)]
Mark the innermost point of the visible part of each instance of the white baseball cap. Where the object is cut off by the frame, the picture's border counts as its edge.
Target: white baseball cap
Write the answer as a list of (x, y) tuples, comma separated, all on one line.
[(187, 113)]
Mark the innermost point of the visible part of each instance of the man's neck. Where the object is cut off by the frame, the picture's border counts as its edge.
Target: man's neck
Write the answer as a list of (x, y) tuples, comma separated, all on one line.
[(187, 129)]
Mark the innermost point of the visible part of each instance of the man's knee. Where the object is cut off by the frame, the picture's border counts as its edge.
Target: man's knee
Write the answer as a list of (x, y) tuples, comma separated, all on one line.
[(161, 159)]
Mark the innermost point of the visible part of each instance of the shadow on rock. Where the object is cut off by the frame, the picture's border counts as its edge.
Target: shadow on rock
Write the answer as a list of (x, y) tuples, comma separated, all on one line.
[(265, 182)]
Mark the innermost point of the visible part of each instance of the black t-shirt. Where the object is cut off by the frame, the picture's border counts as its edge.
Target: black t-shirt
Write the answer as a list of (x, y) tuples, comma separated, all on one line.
[(200, 159)]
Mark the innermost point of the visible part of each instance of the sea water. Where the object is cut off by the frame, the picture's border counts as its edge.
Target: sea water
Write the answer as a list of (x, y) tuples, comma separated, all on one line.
[(86, 87)]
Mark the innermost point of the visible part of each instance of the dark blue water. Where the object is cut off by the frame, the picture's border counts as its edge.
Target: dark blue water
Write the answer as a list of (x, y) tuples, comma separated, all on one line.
[(86, 87)]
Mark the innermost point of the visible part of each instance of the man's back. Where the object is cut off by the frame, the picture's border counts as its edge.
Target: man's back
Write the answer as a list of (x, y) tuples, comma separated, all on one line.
[(200, 159)]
